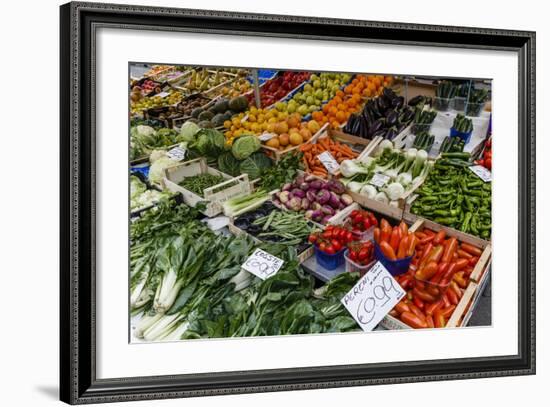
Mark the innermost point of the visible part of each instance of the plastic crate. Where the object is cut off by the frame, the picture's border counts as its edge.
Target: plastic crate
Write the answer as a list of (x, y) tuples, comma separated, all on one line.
[(464, 136), (395, 267), (352, 266), (442, 104), (329, 261)]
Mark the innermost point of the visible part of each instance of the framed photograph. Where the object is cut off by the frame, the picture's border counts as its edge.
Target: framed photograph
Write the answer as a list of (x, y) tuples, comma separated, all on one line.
[(254, 203)]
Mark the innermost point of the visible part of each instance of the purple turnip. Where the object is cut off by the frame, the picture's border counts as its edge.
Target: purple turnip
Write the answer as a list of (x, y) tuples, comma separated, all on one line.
[(323, 196)]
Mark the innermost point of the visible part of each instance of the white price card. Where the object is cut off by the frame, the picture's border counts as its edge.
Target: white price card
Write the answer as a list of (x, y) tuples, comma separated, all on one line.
[(162, 94), (481, 172), (177, 153), (262, 264), (266, 136), (374, 295), (329, 162), (379, 180)]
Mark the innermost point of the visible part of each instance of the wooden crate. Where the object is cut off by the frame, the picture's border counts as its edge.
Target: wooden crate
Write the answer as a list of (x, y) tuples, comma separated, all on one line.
[(382, 208), (357, 144), (277, 154), (485, 246), (214, 196), (465, 237), (477, 282), (235, 230)]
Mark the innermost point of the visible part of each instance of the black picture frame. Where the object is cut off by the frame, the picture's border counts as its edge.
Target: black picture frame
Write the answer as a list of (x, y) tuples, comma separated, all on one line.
[(78, 382)]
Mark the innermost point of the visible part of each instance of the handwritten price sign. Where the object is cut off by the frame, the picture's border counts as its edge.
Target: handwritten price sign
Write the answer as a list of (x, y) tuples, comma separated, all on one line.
[(177, 153), (262, 264), (481, 172), (379, 180), (329, 162), (373, 297)]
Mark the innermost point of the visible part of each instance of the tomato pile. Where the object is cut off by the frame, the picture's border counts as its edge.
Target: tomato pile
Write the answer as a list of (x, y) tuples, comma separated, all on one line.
[(361, 220), (361, 253), (395, 243), (436, 279), (487, 160), (277, 88), (332, 240)]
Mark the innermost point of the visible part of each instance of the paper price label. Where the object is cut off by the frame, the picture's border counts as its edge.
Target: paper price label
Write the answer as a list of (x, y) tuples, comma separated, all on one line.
[(374, 295), (481, 172), (162, 94), (262, 264), (329, 162), (177, 153), (266, 136), (379, 180)]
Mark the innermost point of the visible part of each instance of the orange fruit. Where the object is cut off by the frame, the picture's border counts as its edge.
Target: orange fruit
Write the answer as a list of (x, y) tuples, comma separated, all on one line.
[(326, 108), (333, 110), (341, 116), (337, 99), (340, 94), (341, 106)]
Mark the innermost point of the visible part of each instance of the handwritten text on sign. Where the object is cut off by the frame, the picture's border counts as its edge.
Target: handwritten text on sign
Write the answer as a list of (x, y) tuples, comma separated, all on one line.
[(177, 153), (379, 180), (481, 172), (329, 162), (262, 264), (374, 295)]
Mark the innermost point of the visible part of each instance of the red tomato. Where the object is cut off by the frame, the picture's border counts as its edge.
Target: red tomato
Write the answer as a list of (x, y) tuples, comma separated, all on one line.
[(330, 250), (488, 163), (312, 238), (363, 254), (336, 244), (357, 219), (349, 236), (323, 246), (354, 213), (367, 223), (373, 219)]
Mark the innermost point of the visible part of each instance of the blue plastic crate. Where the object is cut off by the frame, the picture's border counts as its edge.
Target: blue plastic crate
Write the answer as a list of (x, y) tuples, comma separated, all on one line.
[(395, 267), (329, 261), (142, 169), (464, 136)]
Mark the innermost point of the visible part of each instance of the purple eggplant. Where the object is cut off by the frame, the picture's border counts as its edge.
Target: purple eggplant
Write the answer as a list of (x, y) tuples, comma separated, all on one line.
[(391, 118), (376, 126)]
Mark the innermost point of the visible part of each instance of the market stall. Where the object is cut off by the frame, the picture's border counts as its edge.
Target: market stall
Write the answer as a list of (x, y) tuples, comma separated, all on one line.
[(261, 199)]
